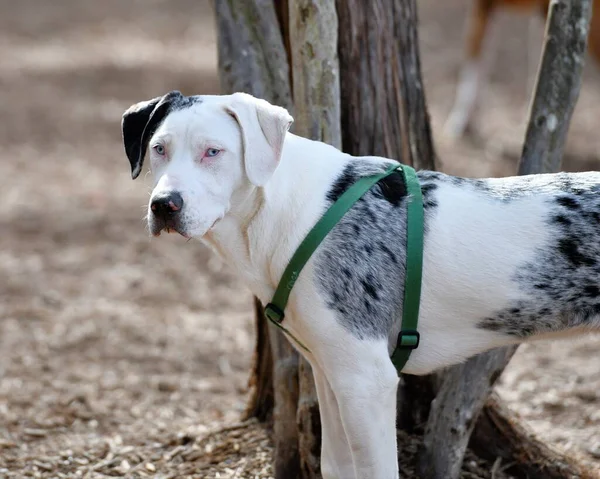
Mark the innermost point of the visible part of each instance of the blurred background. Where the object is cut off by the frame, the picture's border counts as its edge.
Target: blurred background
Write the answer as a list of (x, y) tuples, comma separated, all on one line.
[(115, 349)]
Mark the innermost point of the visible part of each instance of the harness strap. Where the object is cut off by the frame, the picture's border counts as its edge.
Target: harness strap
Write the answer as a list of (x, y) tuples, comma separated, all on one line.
[(408, 339)]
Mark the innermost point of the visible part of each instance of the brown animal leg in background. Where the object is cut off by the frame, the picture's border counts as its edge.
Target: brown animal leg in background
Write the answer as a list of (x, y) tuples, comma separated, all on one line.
[(594, 35), (469, 81)]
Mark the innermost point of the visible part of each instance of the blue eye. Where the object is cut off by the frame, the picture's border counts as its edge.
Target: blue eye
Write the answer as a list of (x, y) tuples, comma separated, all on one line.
[(212, 152), (159, 149)]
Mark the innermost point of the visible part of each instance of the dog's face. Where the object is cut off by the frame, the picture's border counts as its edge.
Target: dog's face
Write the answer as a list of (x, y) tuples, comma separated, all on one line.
[(205, 153)]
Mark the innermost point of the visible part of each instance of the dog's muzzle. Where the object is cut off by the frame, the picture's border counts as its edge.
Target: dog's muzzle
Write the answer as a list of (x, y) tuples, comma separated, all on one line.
[(166, 211)]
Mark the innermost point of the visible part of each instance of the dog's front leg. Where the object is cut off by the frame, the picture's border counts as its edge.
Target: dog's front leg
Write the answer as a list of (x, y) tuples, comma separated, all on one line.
[(336, 457), (364, 382)]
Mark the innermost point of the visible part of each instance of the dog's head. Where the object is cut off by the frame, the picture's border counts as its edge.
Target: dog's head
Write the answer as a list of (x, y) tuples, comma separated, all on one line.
[(204, 152)]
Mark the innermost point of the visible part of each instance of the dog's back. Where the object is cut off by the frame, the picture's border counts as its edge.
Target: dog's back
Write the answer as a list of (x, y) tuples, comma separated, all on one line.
[(516, 257)]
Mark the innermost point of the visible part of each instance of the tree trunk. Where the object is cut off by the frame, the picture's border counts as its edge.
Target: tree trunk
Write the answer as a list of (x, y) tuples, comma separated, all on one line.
[(466, 387), (252, 56), (499, 435), (383, 103), (417, 128), (253, 59), (454, 411), (261, 402), (316, 93)]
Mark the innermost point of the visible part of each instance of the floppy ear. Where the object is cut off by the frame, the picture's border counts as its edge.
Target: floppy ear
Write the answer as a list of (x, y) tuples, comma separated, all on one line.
[(263, 128), (139, 123)]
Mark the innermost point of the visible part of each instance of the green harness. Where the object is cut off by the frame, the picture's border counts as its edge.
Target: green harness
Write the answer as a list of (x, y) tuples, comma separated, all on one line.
[(409, 338)]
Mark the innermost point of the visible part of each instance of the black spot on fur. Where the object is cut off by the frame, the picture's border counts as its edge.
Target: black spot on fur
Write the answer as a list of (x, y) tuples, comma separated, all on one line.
[(492, 324), (428, 205), (186, 102), (344, 181), (387, 251), (369, 216), (393, 188), (428, 188), (369, 288), (562, 220), (428, 191), (568, 202), (569, 247), (591, 291)]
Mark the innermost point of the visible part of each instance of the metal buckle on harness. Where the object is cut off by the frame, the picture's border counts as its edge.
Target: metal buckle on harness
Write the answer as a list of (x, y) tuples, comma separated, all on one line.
[(408, 339), (273, 313)]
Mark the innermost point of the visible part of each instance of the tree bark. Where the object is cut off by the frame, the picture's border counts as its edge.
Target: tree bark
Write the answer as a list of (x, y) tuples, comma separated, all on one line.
[(416, 124), (382, 98), (262, 401), (315, 70), (252, 56), (316, 92), (253, 59), (557, 86), (500, 435), (286, 392), (454, 411), (465, 387)]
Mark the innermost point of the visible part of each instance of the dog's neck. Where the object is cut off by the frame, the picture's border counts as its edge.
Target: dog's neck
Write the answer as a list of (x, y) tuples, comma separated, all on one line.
[(249, 238)]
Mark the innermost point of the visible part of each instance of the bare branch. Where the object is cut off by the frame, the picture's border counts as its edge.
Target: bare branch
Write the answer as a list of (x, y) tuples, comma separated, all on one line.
[(557, 86)]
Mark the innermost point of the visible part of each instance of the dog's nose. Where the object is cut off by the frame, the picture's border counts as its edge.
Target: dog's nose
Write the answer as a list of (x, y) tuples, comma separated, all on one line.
[(166, 205)]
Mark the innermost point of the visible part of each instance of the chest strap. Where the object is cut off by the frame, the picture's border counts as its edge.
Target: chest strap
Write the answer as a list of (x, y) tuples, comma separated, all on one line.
[(409, 338)]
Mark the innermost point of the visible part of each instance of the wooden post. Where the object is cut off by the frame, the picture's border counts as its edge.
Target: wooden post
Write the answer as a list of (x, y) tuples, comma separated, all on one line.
[(316, 92), (253, 59)]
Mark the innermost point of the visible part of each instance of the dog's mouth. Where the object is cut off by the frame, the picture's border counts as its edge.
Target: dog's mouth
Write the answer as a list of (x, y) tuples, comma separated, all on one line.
[(156, 228), (170, 230)]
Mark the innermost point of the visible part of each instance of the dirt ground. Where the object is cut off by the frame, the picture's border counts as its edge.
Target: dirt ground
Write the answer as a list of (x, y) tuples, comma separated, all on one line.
[(128, 357)]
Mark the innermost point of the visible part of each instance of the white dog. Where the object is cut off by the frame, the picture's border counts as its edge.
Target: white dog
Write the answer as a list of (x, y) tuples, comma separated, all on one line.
[(504, 259)]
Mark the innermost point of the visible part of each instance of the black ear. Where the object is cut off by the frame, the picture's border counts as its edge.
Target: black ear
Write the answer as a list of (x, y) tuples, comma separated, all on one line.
[(139, 123)]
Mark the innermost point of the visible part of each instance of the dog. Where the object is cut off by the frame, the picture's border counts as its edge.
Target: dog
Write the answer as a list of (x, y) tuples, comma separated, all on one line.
[(470, 78), (505, 260)]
